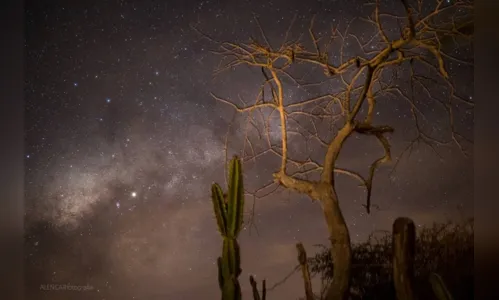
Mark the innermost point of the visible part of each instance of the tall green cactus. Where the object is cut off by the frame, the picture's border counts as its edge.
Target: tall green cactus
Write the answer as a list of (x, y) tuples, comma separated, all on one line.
[(228, 211)]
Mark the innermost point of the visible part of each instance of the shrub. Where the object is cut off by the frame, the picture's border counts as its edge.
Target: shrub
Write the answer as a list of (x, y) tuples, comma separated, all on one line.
[(443, 248)]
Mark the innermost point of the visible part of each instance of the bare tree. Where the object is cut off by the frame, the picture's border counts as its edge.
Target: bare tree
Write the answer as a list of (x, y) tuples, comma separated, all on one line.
[(329, 119)]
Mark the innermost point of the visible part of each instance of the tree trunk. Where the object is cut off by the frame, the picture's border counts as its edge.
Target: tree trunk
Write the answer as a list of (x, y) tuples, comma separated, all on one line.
[(341, 251)]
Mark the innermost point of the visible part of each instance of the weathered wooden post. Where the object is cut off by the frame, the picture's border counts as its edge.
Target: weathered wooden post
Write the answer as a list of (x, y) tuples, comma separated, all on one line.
[(403, 243), (302, 259)]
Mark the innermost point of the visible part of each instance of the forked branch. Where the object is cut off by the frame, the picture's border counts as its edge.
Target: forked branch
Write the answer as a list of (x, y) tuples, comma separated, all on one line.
[(295, 121)]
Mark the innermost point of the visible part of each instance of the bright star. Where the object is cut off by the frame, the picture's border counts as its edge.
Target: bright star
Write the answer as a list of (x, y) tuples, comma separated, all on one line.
[(134, 194)]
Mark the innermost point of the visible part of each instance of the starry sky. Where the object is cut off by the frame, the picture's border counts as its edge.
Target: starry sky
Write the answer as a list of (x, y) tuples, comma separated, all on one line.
[(123, 141)]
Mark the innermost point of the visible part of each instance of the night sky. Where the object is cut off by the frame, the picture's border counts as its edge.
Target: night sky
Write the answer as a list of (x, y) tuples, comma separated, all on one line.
[(124, 141)]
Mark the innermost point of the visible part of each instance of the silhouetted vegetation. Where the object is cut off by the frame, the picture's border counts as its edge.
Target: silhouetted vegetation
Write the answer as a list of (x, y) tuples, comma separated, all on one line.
[(338, 98), (433, 263), (443, 248)]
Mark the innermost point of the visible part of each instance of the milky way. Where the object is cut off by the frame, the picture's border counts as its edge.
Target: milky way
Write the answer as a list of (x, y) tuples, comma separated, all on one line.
[(124, 172), (124, 141)]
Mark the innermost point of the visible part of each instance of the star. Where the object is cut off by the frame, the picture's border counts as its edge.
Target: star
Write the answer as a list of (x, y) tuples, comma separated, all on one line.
[(145, 58)]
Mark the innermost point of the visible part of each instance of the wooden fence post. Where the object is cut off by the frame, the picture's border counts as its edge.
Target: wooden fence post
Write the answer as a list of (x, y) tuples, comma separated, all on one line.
[(302, 258), (403, 244)]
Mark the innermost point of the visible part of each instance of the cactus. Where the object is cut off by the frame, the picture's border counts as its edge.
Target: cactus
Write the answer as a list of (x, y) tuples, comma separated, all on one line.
[(439, 287), (228, 209), (254, 288)]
